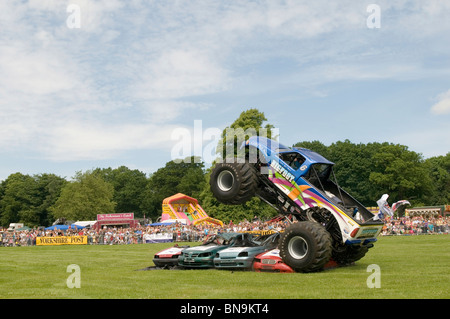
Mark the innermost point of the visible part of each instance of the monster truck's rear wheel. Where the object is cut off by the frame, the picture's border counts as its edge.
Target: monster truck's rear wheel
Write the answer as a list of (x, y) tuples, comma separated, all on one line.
[(233, 183), (305, 246), (349, 254)]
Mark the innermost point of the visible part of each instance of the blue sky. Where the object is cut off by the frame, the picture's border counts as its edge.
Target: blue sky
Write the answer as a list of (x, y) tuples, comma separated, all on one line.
[(86, 84)]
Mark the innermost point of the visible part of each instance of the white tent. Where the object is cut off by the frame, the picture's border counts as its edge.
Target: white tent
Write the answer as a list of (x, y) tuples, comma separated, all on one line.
[(85, 223)]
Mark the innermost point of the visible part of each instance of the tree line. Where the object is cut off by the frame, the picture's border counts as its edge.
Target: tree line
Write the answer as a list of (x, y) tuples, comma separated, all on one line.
[(369, 170), (39, 200), (364, 170)]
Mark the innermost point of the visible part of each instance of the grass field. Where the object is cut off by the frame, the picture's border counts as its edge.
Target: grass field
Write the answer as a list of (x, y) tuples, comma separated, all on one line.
[(411, 267)]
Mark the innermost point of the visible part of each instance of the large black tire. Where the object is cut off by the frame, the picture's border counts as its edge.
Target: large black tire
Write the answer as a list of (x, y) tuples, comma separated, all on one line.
[(306, 246), (233, 183)]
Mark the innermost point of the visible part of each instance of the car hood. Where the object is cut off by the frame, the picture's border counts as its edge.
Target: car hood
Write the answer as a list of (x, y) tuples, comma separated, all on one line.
[(271, 254), (204, 249), (170, 252), (234, 251)]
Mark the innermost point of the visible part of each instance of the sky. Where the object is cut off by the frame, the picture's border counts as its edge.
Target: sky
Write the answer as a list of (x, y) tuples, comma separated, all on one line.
[(87, 84)]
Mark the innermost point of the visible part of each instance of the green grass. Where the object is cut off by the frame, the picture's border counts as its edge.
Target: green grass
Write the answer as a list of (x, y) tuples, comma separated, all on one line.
[(412, 267)]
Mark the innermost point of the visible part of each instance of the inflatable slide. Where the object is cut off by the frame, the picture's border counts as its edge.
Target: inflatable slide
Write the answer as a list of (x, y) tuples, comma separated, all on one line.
[(185, 209)]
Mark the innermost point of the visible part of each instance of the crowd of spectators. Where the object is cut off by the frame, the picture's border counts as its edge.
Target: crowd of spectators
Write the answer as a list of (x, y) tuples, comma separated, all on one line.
[(193, 233), (121, 235), (416, 225)]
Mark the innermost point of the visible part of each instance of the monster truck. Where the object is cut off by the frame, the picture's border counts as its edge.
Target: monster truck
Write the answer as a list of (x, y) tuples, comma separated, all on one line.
[(326, 222)]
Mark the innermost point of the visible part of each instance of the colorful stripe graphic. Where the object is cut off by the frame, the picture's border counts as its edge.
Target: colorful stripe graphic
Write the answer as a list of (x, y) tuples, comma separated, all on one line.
[(304, 196)]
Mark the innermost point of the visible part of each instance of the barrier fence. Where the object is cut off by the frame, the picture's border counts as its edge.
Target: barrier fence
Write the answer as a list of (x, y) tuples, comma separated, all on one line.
[(183, 233)]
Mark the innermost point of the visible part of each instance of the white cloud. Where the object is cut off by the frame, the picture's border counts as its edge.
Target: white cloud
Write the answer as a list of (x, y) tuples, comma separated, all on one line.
[(40, 72), (86, 141), (47, 77), (430, 140), (181, 73), (135, 67), (442, 106), (166, 111)]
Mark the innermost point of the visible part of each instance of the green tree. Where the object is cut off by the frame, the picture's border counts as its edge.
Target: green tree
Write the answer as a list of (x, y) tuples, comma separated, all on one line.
[(438, 168), (186, 176), (366, 171), (401, 173), (235, 213), (26, 199), (18, 198), (352, 169), (129, 188), (315, 146), (47, 191), (84, 197), (248, 124)]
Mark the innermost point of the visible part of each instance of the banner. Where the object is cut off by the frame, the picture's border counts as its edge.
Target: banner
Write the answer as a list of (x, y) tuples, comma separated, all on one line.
[(158, 238), (61, 240), (120, 216), (260, 232)]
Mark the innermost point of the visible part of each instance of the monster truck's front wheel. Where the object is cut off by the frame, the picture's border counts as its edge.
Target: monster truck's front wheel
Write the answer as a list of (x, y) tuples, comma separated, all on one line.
[(305, 246), (233, 183)]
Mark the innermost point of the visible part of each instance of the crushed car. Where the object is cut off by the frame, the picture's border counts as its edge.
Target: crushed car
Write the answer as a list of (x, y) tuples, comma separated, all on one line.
[(168, 257), (270, 261), (244, 249), (202, 256)]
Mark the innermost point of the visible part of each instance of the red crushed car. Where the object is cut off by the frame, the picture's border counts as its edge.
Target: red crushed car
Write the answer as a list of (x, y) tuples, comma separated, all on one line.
[(271, 261), (168, 257)]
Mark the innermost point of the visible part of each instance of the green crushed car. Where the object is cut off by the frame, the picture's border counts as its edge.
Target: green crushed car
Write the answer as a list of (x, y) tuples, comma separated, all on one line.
[(242, 253), (202, 256)]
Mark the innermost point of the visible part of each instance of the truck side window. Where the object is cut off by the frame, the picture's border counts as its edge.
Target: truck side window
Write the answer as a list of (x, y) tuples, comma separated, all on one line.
[(294, 160)]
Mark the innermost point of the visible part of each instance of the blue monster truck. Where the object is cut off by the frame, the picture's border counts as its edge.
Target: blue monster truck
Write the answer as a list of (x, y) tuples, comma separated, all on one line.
[(329, 223)]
